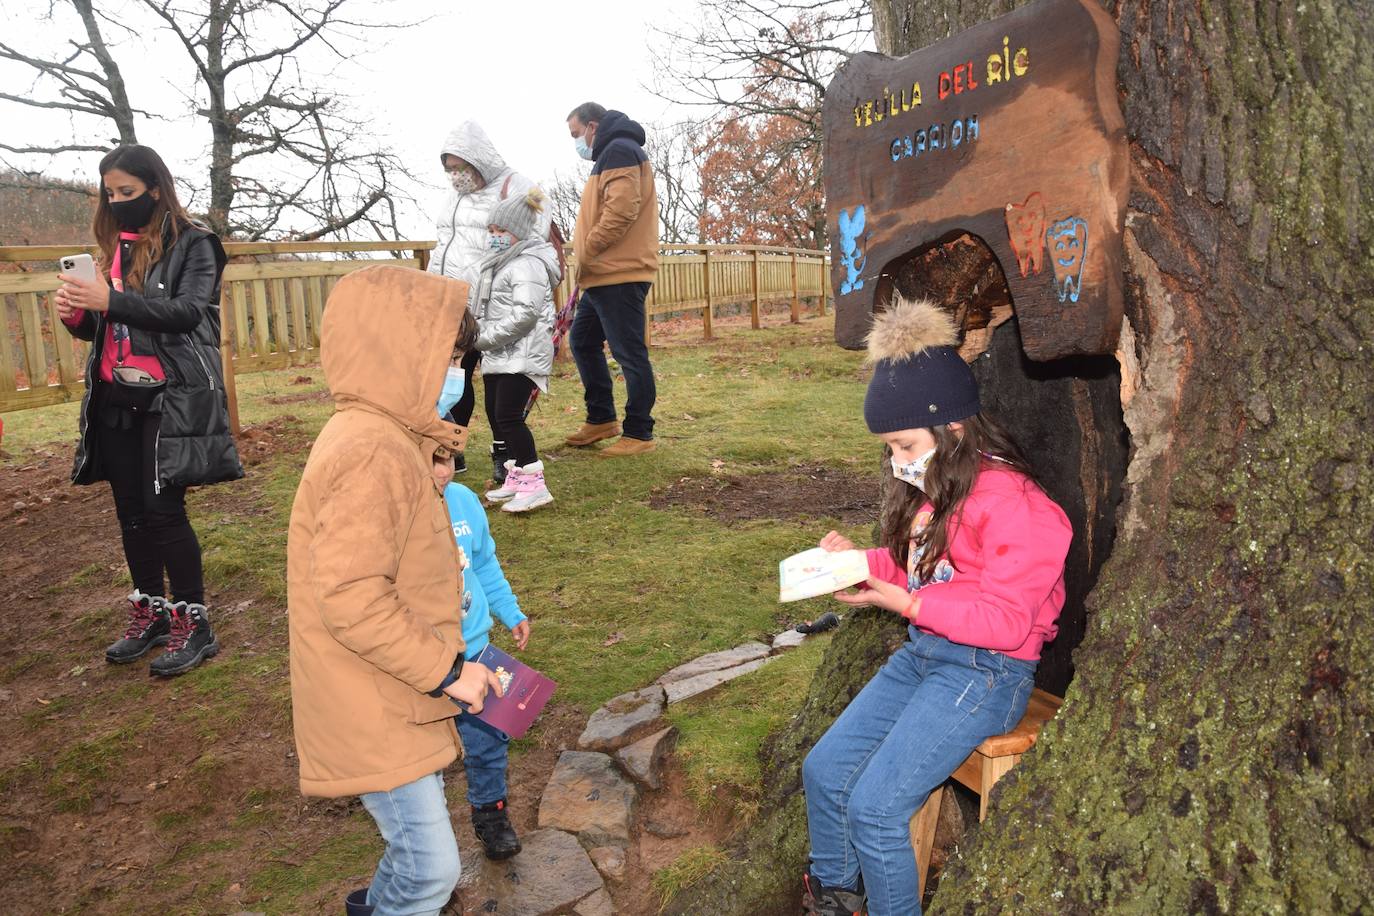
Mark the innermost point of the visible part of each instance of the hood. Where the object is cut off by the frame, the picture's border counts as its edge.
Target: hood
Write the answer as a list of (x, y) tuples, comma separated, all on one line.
[(613, 126), (385, 344), (469, 142), (548, 256)]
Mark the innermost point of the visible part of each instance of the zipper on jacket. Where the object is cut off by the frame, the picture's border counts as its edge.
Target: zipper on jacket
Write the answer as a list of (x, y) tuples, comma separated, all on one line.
[(157, 470), (204, 368), (452, 231)]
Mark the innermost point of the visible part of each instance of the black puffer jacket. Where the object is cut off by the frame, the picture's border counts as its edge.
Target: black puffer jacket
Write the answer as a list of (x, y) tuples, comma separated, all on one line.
[(175, 318)]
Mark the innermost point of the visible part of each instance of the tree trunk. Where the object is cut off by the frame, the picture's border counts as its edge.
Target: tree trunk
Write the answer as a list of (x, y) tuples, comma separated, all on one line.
[(1213, 753)]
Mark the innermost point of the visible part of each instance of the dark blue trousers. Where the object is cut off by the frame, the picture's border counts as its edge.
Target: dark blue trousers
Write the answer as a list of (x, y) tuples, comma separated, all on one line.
[(615, 314)]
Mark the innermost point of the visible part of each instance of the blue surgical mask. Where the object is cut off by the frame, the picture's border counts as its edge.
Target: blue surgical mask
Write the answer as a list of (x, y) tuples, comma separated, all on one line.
[(583, 150), (498, 242), (913, 472), (452, 392)]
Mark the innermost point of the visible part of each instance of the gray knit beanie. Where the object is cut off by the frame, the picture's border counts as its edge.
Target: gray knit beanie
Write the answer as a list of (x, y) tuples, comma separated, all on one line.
[(919, 378), (519, 214)]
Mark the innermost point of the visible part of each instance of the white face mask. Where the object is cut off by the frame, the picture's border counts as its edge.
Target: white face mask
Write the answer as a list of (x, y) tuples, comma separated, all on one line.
[(913, 472), (463, 182), (583, 150), (501, 242)]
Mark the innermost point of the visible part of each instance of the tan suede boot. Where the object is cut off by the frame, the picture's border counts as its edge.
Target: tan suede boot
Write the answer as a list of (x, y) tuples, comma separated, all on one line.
[(627, 446), (588, 433)]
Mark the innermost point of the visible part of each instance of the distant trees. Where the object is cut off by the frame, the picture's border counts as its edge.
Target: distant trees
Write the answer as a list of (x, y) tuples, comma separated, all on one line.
[(758, 69), (285, 157)]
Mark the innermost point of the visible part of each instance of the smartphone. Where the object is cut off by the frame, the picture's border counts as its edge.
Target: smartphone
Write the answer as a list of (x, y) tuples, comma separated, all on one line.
[(79, 265)]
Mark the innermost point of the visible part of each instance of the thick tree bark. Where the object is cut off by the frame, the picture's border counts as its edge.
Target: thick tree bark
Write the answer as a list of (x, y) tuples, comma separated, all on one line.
[(1213, 753)]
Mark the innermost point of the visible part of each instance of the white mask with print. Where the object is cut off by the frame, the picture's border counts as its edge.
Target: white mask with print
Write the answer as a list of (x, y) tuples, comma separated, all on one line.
[(913, 472), (463, 182)]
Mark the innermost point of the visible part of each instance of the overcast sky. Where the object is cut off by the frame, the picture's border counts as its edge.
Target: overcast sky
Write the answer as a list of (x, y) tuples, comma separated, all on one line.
[(515, 67)]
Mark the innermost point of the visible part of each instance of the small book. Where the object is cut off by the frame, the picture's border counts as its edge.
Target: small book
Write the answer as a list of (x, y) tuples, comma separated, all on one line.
[(525, 693), (820, 572)]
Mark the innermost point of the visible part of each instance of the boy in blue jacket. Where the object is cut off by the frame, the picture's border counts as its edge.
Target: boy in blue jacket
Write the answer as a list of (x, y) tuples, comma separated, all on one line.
[(486, 593)]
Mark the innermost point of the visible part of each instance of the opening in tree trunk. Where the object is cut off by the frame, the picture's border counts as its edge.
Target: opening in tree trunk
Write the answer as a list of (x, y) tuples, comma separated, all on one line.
[(1065, 414)]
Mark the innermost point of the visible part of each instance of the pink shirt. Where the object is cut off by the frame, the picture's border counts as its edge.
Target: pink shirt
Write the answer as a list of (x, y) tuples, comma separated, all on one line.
[(116, 350), (1001, 586)]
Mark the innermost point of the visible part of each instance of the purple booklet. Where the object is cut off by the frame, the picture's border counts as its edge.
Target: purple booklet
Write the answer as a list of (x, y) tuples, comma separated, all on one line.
[(526, 692)]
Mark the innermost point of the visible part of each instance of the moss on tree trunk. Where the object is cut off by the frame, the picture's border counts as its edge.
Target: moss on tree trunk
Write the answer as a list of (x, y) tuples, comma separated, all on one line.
[(1214, 751)]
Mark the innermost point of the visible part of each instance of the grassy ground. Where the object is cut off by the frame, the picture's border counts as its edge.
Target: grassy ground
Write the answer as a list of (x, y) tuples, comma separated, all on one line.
[(618, 591)]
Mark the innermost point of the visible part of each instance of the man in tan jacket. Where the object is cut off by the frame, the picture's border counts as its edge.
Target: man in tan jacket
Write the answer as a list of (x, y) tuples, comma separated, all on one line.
[(373, 582), (615, 242)]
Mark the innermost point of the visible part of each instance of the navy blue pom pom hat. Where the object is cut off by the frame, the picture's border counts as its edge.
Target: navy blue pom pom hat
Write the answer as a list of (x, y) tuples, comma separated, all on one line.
[(919, 378)]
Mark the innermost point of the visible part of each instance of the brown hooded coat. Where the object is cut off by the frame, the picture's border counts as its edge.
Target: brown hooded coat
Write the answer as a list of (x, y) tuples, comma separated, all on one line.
[(373, 584)]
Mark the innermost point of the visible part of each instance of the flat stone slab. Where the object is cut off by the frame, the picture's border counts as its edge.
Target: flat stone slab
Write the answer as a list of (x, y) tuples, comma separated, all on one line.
[(610, 861), (598, 904), (551, 874), (787, 639), (586, 795), (681, 690), (643, 760), (623, 720), (716, 661)]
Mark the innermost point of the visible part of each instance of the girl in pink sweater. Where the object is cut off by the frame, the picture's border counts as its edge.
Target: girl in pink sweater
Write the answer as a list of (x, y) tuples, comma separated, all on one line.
[(972, 555)]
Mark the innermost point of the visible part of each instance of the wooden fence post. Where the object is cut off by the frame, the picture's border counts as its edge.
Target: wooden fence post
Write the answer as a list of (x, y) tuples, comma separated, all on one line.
[(825, 284), (231, 388), (796, 292), (422, 256), (754, 308), (706, 312)]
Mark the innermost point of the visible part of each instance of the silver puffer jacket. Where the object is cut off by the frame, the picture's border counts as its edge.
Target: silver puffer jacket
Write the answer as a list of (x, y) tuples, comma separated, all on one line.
[(461, 221), (514, 312)]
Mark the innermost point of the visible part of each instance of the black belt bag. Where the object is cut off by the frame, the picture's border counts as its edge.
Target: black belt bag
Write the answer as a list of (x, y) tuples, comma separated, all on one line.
[(135, 389)]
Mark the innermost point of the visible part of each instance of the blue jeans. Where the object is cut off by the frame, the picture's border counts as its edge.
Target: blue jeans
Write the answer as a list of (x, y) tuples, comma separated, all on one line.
[(420, 867), (925, 710), (615, 314), (485, 754)]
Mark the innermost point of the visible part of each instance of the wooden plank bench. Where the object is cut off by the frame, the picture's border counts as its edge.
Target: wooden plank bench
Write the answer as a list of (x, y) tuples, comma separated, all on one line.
[(989, 762)]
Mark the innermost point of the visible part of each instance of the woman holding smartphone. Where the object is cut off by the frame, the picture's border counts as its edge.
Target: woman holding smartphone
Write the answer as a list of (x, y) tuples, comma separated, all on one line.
[(155, 418)]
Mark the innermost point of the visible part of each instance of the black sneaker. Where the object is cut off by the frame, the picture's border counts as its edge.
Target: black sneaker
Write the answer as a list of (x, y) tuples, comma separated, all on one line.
[(820, 900), (149, 625), (190, 644), (492, 826), (460, 464), (499, 457)]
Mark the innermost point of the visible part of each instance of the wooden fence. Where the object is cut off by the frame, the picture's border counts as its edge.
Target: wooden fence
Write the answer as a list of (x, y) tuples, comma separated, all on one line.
[(272, 306)]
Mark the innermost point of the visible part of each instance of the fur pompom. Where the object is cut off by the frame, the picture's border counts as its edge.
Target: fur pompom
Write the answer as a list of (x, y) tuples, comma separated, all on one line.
[(909, 327), (534, 199)]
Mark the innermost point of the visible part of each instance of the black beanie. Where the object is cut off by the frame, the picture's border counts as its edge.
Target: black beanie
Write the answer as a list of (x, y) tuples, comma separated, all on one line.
[(919, 378)]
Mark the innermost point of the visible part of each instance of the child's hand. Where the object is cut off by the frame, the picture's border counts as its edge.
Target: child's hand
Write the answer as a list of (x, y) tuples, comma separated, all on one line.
[(521, 632), (835, 542), (879, 593), (472, 685)]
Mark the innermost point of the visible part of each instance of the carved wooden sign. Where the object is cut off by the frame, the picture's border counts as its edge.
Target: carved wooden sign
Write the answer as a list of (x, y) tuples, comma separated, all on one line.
[(1009, 131)]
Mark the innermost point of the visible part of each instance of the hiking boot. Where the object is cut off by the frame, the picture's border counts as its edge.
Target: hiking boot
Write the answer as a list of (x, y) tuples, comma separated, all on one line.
[(588, 433), (492, 826), (500, 459), (820, 900), (191, 641), (355, 904), (531, 492), (507, 490), (460, 464), (628, 446), (149, 625)]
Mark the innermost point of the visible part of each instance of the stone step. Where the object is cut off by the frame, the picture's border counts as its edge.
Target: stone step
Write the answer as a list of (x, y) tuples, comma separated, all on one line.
[(550, 875), (681, 690), (715, 661), (588, 796)]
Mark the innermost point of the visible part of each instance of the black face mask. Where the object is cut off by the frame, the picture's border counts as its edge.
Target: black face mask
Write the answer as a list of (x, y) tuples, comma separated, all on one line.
[(133, 215)]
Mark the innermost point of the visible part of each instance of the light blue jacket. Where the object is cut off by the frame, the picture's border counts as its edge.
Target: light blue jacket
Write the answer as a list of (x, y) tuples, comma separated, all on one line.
[(485, 589)]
